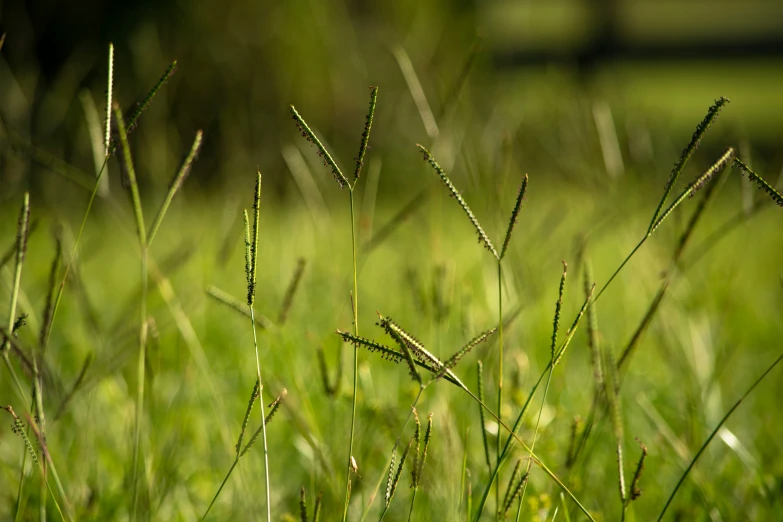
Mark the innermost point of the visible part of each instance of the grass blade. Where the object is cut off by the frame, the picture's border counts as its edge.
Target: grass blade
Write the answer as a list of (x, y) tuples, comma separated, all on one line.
[(176, 183), (715, 432)]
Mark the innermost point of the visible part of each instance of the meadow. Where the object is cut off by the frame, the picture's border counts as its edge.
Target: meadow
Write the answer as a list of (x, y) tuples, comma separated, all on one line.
[(600, 320)]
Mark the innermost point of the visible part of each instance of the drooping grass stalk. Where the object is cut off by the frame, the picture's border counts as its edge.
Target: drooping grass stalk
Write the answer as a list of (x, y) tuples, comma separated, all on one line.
[(434, 365), (414, 353), (141, 231), (310, 136), (715, 432)]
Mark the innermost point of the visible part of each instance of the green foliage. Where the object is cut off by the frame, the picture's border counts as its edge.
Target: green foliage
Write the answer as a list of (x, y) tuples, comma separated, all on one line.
[(185, 423)]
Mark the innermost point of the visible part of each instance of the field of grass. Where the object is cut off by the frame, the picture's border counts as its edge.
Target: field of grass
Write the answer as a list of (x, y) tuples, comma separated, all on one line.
[(148, 429)]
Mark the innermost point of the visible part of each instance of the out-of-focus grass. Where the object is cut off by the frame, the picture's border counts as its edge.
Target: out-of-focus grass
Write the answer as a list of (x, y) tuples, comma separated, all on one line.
[(717, 330)]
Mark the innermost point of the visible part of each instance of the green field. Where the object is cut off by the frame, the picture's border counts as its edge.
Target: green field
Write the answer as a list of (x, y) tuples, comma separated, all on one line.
[(145, 376)]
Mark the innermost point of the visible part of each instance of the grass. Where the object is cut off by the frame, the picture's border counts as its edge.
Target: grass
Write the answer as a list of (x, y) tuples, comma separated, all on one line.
[(185, 399)]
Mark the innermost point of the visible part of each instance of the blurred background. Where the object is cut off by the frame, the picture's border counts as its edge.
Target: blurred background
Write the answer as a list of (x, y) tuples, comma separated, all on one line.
[(594, 99), (562, 82)]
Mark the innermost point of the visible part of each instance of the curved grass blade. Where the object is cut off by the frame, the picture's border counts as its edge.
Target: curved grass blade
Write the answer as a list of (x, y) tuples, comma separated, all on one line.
[(715, 432), (176, 183)]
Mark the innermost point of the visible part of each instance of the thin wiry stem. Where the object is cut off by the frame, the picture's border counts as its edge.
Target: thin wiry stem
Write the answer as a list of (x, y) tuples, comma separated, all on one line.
[(175, 184), (500, 355), (263, 420), (715, 432), (480, 375), (355, 306), (141, 363)]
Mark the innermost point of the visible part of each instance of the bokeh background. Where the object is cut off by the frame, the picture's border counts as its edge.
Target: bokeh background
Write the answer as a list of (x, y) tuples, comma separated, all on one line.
[(595, 100), (550, 77)]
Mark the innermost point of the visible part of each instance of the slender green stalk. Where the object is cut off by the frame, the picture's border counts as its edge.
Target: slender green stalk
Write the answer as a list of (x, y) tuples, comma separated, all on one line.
[(500, 370), (310, 136), (141, 362), (263, 424), (21, 250), (553, 362), (132, 122), (715, 432), (512, 431), (175, 184), (480, 375), (222, 485), (251, 256), (355, 306)]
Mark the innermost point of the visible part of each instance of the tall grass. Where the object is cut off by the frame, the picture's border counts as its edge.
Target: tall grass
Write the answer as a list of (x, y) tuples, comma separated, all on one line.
[(343, 181), (518, 440)]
